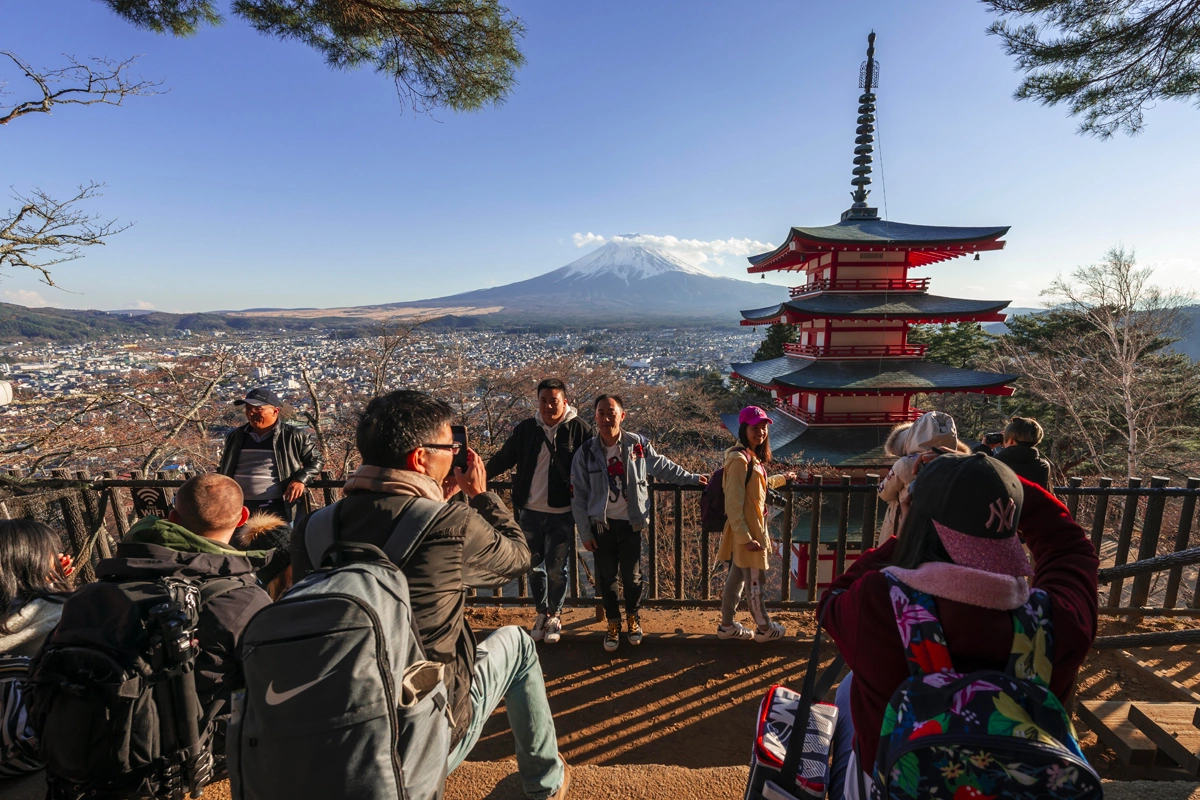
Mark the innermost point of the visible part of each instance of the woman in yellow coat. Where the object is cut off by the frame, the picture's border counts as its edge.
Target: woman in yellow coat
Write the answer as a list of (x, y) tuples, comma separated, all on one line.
[(745, 541)]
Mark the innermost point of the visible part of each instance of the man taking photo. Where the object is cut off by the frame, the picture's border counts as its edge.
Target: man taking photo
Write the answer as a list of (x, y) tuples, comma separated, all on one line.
[(541, 448), (407, 450), (271, 460)]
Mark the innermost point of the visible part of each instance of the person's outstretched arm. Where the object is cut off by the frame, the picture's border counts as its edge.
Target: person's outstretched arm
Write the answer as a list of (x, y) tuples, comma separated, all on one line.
[(581, 489), (506, 458), (663, 468)]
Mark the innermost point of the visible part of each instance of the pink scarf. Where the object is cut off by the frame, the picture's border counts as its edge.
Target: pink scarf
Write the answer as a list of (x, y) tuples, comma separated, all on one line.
[(394, 481), (965, 585)]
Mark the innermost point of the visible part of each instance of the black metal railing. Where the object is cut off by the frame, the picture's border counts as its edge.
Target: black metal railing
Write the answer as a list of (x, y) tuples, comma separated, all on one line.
[(821, 526)]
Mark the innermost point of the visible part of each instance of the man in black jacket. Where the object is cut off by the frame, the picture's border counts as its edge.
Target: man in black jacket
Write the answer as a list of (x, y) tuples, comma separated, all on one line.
[(407, 448), (541, 448), (194, 542), (271, 460), (1020, 453)]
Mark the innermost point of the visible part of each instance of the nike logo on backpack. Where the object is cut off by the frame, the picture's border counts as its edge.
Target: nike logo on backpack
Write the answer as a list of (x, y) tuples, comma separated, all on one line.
[(274, 698)]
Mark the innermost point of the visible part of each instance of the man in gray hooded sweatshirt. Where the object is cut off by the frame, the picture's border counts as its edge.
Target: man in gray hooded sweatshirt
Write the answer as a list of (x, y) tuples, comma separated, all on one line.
[(541, 448)]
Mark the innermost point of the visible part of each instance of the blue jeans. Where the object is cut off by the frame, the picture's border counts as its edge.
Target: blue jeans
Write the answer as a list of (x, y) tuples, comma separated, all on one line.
[(507, 669), (843, 744), (549, 537)]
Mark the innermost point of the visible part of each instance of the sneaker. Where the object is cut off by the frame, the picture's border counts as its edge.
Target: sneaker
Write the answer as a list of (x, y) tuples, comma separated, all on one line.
[(771, 633), (553, 630), (561, 792), (634, 622), (613, 638), (539, 628), (735, 631)]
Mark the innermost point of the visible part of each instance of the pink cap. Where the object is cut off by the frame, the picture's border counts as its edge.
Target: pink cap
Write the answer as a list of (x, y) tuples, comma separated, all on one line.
[(752, 415)]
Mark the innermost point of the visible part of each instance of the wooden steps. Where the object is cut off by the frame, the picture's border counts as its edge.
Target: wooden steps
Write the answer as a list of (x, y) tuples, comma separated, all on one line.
[(1160, 741)]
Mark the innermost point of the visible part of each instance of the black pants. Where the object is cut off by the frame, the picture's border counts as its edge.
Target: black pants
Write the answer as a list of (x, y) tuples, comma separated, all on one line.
[(619, 548)]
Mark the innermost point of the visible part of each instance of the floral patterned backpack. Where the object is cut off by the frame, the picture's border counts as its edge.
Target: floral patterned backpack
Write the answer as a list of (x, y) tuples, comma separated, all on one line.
[(989, 734)]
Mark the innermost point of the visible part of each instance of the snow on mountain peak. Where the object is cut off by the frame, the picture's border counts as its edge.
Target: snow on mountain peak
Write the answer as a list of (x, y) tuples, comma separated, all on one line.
[(625, 257)]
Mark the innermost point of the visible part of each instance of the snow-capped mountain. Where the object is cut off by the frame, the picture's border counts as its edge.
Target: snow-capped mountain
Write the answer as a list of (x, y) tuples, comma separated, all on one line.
[(621, 279), (624, 258)]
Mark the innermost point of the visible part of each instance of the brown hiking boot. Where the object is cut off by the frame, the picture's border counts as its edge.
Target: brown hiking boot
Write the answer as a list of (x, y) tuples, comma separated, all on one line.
[(561, 792)]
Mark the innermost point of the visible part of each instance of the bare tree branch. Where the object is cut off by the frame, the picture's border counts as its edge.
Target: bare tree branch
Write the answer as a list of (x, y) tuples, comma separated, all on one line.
[(102, 81)]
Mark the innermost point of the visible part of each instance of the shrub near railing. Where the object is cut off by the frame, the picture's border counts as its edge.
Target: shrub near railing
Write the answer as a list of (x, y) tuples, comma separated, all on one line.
[(678, 556)]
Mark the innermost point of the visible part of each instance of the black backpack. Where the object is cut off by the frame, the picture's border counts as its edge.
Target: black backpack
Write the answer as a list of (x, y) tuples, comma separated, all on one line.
[(712, 502), (112, 695)]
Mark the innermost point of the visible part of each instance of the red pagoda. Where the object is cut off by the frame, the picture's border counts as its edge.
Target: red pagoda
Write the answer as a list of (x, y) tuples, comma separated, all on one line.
[(851, 376)]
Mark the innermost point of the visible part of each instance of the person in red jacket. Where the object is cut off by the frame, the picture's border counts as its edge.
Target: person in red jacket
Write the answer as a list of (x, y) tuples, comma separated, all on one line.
[(959, 543)]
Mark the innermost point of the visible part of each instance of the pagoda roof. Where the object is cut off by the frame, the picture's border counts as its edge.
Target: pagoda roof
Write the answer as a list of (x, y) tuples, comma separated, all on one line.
[(876, 306), (867, 376), (846, 447), (927, 243)]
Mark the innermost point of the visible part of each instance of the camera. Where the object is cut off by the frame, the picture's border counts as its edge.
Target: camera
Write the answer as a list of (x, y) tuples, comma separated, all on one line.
[(993, 439)]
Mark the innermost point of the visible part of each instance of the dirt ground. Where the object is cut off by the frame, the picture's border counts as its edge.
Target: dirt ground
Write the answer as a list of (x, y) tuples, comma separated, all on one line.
[(681, 700)]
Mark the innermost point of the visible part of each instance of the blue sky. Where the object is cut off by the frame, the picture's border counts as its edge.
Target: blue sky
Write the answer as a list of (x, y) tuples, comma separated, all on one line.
[(265, 179)]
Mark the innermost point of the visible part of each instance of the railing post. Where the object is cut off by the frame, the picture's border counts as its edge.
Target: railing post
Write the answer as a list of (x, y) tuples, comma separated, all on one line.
[(678, 543), (1073, 499), (77, 530), (1124, 535), (327, 491), (1100, 515), (652, 538), (91, 506), (870, 512), (814, 539), (1148, 546), (1183, 535), (789, 520), (117, 501), (523, 585), (839, 559)]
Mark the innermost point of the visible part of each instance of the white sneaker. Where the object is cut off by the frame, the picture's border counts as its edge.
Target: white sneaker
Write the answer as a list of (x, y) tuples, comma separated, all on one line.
[(539, 628), (735, 631), (774, 631), (553, 630)]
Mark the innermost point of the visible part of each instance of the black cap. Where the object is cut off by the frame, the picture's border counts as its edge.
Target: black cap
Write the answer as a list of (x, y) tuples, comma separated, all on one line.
[(975, 504), (260, 397)]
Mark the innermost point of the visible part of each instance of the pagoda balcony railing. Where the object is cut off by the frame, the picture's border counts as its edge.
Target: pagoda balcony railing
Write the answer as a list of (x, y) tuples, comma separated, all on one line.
[(848, 417), (862, 285), (857, 350)]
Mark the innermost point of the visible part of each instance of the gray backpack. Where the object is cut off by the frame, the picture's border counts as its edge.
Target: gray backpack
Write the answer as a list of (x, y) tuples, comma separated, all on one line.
[(340, 700)]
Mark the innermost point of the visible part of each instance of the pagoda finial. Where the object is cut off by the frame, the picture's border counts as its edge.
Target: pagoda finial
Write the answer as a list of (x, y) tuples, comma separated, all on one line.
[(868, 79)]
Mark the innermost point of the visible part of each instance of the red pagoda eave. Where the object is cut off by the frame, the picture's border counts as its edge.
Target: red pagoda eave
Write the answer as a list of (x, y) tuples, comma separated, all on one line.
[(796, 258), (791, 317), (788, 391)]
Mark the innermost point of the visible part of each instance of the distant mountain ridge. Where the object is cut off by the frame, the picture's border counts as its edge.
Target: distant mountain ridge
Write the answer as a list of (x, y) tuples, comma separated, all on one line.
[(620, 279)]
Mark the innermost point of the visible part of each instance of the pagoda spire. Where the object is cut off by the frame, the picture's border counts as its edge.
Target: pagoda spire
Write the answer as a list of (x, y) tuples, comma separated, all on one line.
[(868, 79)]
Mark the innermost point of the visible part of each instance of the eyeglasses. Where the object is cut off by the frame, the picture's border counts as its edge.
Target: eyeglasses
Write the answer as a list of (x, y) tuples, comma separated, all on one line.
[(453, 448)]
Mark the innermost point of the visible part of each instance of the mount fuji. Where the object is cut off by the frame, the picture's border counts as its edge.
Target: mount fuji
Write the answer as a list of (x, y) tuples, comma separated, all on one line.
[(620, 280)]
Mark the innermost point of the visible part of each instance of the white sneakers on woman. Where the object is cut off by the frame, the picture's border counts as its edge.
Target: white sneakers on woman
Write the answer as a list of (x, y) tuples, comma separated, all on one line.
[(735, 631), (772, 632)]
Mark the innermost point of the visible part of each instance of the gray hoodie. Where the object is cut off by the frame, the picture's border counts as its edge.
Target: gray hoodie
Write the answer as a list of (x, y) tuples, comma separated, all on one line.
[(29, 626)]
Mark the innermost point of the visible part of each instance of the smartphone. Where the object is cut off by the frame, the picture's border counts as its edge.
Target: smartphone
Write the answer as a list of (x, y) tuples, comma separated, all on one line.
[(459, 432)]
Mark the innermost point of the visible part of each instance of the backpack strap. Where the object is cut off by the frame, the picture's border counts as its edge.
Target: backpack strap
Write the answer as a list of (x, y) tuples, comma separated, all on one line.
[(920, 629), (414, 523), (1032, 655), (319, 535), (213, 589)]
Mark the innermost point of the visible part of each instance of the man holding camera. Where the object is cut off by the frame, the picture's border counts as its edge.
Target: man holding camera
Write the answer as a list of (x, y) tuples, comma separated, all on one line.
[(1017, 445), (407, 450)]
